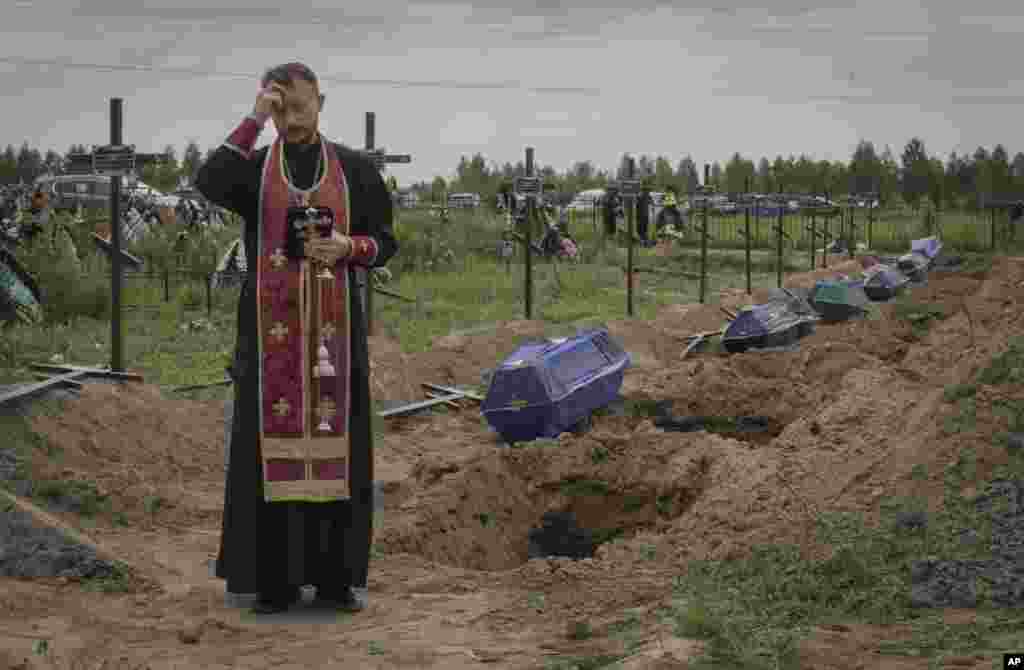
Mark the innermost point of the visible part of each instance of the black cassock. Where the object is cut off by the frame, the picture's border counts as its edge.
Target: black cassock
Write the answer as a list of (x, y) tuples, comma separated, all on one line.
[(272, 548)]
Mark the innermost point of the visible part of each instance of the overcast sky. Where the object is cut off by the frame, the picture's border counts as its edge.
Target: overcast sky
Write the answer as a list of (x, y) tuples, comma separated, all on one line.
[(574, 79)]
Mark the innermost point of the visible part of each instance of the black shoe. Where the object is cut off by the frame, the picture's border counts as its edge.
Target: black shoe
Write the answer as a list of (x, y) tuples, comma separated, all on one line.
[(344, 599), (275, 604)]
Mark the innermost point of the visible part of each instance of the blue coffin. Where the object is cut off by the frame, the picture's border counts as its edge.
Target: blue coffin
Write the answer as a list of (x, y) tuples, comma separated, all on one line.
[(546, 388), (929, 247), (772, 324), (884, 282)]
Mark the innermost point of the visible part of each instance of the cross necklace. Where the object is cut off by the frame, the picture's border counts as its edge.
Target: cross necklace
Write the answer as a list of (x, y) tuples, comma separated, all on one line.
[(297, 195)]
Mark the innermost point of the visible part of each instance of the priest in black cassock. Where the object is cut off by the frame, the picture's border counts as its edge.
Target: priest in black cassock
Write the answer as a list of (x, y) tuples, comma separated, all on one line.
[(299, 496)]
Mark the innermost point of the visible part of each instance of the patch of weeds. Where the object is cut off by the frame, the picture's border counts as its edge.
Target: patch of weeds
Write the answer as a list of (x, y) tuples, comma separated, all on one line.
[(119, 518), (964, 420), (648, 552), (919, 316), (152, 504), (919, 473), (1013, 411), (602, 535), (977, 264), (599, 455), (644, 408), (633, 503), (535, 601), (584, 487), (486, 519), (628, 630), (118, 581), (581, 630), (1006, 367), (376, 552), (933, 637), (374, 648), (664, 504), (80, 496), (959, 391)]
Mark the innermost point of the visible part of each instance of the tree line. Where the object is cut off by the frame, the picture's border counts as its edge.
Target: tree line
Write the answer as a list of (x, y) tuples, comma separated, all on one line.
[(915, 178), (24, 165)]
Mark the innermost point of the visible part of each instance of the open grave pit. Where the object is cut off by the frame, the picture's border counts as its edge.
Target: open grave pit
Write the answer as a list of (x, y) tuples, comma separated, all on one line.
[(478, 513)]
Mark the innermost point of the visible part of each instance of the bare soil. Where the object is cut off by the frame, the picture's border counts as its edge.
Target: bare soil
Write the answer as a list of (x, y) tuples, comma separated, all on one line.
[(857, 405)]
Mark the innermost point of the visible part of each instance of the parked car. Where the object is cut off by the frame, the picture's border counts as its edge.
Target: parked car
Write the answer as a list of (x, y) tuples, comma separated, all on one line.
[(464, 200), (585, 200), (67, 192)]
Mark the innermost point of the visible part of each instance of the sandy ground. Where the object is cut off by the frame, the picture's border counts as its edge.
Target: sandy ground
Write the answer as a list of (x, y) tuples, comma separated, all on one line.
[(450, 591)]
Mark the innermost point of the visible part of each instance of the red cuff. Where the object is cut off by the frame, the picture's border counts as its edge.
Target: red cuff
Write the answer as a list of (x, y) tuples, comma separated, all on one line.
[(364, 250), (244, 137)]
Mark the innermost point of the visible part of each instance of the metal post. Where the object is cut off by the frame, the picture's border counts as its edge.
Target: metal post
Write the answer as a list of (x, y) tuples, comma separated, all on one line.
[(704, 237), (993, 226), (824, 237), (746, 221), (778, 235), (630, 207), (814, 233), (116, 351), (528, 258), (371, 131), (871, 221)]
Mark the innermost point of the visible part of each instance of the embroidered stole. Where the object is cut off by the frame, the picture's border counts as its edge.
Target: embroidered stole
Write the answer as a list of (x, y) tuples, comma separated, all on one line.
[(304, 416)]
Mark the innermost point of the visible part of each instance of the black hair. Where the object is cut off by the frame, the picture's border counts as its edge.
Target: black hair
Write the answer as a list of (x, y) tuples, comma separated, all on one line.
[(287, 73)]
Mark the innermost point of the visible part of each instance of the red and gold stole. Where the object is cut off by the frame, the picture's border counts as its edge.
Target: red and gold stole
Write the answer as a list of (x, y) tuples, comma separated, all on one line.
[(304, 418)]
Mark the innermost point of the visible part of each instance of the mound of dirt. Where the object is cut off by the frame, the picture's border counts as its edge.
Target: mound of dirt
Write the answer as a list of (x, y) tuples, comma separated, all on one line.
[(117, 436)]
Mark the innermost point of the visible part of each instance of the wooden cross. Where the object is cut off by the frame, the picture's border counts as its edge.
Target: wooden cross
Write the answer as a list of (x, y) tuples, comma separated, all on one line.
[(380, 159), (279, 331), (277, 259), (116, 161), (281, 407)]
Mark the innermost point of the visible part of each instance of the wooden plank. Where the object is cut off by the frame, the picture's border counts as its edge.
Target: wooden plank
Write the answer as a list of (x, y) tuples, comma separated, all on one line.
[(37, 387), (392, 294), (710, 333), (405, 409), (449, 389), (194, 387), (450, 403), (98, 372), (67, 382)]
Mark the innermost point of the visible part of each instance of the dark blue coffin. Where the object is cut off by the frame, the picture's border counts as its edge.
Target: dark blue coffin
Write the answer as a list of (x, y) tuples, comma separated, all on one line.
[(884, 282), (546, 388), (772, 324)]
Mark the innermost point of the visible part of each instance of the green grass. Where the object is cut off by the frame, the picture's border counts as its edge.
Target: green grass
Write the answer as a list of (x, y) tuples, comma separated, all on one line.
[(920, 316), (584, 487)]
